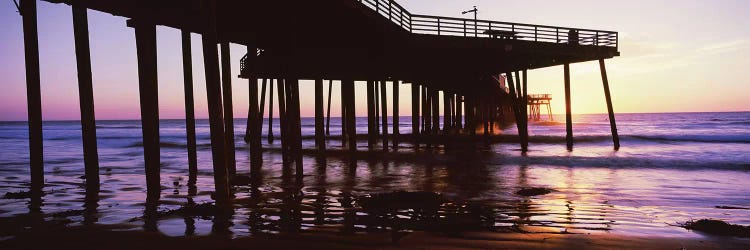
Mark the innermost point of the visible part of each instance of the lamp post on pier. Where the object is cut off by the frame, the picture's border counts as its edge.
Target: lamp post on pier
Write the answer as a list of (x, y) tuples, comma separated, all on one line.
[(475, 11)]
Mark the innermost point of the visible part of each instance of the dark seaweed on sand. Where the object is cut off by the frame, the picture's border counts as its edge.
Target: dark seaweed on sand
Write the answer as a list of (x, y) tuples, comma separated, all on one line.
[(534, 191), (717, 227), (401, 200), (17, 195)]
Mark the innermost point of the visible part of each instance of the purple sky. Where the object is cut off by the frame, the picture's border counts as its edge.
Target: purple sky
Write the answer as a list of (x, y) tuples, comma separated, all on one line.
[(676, 56)]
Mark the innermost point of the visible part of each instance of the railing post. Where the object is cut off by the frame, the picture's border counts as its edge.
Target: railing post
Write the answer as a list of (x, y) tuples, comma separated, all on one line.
[(596, 41), (536, 31), (410, 26), (390, 7), (438, 23), (557, 35), (475, 28), (464, 28), (377, 6)]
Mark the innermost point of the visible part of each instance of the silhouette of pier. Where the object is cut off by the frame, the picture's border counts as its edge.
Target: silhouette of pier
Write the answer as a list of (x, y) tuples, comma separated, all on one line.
[(341, 41)]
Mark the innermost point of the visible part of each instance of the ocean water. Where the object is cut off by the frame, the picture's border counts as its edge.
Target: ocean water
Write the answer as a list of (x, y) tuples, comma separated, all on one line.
[(671, 168)]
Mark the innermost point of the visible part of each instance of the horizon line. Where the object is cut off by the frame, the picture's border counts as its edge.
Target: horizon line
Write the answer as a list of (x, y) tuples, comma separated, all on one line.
[(206, 118)]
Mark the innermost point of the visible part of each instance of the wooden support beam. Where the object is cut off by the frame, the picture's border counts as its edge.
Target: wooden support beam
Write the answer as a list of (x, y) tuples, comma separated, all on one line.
[(33, 94), (350, 114), (384, 109), (145, 38), (446, 112), (515, 105), (470, 111), (343, 123), (252, 114), (414, 109), (213, 95), (281, 91), (459, 111), (187, 70), (254, 117), (484, 109), (610, 110), (328, 119), (377, 107), (226, 80), (435, 101), (86, 97), (568, 116), (452, 110), (296, 124), (426, 107), (396, 115), (320, 139), (262, 109), (525, 113), (270, 111), (371, 128)]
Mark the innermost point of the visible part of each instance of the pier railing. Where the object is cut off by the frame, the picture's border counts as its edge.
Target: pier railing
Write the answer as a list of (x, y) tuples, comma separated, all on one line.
[(451, 26), (391, 10), (540, 97)]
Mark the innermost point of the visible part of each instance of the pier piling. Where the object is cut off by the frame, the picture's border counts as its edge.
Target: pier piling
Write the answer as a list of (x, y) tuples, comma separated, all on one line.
[(515, 105), (320, 140), (348, 95), (568, 116), (213, 96), (384, 116), (281, 93), (414, 109), (525, 112), (328, 115), (226, 80), (435, 101), (33, 94), (459, 111), (371, 114), (446, 112), (86, 97), (254, 117), (395, 119), (262, 109), (610, 110), (426, 120), (270, 111), (187, 69), (145, 38)]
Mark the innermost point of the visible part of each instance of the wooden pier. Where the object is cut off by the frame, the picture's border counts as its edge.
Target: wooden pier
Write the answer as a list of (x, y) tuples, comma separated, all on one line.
[(375, 42)]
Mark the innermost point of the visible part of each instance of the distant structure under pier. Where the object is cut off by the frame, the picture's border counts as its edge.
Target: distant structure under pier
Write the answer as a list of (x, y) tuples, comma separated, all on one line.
[(536, 102)]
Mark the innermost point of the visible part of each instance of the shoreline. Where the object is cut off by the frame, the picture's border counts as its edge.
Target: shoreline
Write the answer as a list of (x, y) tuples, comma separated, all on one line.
[(101, 237)]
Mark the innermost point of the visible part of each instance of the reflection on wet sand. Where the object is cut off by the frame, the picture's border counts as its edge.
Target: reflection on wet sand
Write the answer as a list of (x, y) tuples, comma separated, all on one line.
[(330, 198)]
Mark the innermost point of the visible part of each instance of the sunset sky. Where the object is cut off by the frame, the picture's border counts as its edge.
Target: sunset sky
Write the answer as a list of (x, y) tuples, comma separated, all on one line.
[(677, 56)]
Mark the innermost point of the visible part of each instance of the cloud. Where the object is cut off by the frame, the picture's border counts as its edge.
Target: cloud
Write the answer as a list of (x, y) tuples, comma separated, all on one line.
[(723, 47)]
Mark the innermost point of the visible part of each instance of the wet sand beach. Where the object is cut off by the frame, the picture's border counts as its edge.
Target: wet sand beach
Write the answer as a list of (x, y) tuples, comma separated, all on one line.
[(593, 197)]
